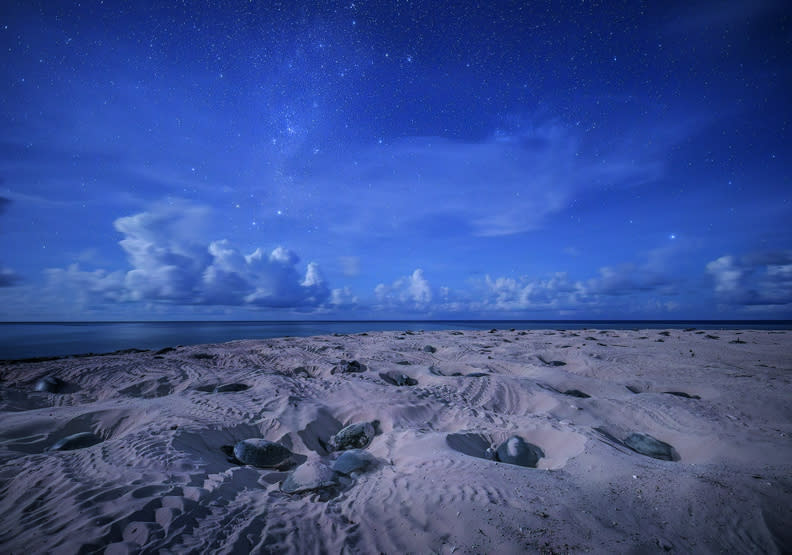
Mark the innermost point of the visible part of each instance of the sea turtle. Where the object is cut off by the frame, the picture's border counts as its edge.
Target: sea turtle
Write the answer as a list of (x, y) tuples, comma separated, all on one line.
[(350, 367), (354, 436), (231, 387), (311, 475), (76, 441), (353, 460), (398, 378), (516, 450), (262, 453), (50, 384), (651, 447)]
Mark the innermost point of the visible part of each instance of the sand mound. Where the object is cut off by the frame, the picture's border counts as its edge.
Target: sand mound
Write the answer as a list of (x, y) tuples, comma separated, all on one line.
[(625, 443)]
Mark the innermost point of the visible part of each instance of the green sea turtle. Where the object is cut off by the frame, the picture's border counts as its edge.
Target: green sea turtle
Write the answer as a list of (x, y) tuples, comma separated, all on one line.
[(516, 450), (651, 447), (262, 453), (76, 441), (354, 436), (312, 475), (398, 378), (353, 460), (50, 384)]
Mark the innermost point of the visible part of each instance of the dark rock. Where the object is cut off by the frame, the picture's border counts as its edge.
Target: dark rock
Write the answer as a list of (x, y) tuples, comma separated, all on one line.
[(76, 441), (165, 350), (516, 450), (429, 349), (633, 389), (651, 447)]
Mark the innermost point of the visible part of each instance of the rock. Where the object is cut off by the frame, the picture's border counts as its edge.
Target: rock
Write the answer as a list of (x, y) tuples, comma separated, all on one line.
[(353, 460), (76, 441), (354, 436), (429, 349), (516, 450), (50, 384), (651, 447), (262, 453), (350, 367), (397, 378), (312, 475)]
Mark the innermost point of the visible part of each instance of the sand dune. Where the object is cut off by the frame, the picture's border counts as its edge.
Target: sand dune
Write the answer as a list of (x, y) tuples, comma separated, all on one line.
[(158, 473)]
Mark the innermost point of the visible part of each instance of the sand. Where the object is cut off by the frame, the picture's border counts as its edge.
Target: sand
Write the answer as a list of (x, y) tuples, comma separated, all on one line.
[(159, 479)]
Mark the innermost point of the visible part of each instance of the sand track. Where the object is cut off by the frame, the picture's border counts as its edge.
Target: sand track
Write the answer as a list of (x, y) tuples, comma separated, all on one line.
[(159, 480)]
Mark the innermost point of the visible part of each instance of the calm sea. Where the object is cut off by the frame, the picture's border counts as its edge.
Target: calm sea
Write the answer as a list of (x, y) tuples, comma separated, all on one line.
[(45, 339)]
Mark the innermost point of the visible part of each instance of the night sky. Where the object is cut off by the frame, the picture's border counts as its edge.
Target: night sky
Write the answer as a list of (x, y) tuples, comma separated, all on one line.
[(400, 159)]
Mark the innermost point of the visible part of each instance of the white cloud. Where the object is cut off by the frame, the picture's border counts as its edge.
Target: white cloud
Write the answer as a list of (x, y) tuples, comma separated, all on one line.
[(342, 298), (409, 291), (169, 265), (760, 280), (726, 273), (512, 182), (350, 265)]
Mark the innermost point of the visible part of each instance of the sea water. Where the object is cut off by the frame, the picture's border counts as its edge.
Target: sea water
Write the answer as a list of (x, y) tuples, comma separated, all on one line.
[(49, 339)]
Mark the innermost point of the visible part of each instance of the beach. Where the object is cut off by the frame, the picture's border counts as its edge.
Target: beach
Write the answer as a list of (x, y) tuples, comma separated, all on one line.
[(628, 441)]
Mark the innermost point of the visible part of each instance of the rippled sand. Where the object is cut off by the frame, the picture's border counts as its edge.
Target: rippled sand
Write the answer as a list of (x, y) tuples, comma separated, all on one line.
[(160, 480)]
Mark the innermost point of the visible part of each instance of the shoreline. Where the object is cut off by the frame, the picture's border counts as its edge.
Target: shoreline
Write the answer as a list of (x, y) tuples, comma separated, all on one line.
[(158, 477)]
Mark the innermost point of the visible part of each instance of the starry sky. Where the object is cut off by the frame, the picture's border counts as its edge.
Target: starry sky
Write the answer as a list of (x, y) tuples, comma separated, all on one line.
[(402, 159)]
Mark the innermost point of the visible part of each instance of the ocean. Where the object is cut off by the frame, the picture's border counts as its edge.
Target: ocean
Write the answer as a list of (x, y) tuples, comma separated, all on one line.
[(49, 339)]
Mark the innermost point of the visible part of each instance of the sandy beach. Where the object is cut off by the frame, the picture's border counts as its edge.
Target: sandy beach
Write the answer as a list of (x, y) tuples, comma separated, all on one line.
[(627, 441)]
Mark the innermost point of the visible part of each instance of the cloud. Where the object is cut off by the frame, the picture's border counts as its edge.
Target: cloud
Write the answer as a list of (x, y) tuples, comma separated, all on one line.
[(760, 279), (512, 182), (169, 265), (7, 276), (726, 273), (350, 265), (342, 298), (410, 291)]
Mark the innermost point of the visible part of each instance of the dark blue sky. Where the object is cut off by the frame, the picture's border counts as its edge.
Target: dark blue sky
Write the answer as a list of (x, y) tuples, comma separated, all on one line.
[(405, 159)]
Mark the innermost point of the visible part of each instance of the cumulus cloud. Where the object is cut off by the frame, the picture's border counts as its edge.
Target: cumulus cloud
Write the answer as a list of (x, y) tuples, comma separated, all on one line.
[(762, 279), (169, 265), (409, 291), (343, 298)]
